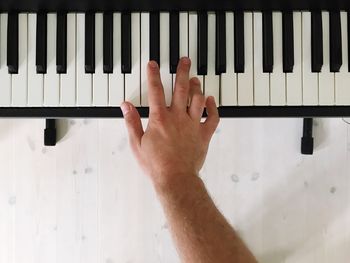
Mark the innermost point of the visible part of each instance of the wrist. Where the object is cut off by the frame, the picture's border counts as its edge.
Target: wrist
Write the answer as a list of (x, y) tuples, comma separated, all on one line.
[(176, 183)]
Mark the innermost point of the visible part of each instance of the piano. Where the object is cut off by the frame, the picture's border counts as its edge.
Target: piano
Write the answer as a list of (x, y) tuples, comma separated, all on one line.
[(83, 58)]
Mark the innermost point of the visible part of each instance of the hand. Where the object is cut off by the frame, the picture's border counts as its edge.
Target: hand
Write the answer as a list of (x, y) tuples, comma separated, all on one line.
[(175, 142)]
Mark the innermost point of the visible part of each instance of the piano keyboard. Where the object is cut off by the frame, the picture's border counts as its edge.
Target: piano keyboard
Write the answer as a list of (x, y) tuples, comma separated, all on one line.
[(241, 58)]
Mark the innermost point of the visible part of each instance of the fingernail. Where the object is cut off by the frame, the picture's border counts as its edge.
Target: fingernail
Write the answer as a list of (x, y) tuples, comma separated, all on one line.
[(186, 60), (153, 64), (125, 108)]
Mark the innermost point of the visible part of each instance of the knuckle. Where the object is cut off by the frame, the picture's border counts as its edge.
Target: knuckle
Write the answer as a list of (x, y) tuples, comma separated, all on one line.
[(158, 115), (156, 84), (181, 86), (133, 122), (197, 111), (199, 100)]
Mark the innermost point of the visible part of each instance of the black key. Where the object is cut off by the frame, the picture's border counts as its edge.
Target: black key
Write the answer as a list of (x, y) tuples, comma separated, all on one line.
[(288, 42), (267, 42), (61, 52), (90, 43), (336, 59), (316, 42), (12, 43), (108, 42), (126, 43), (154, 37), (41, 43), (239, 42), (220, 47), (174, 41), (202, 38)]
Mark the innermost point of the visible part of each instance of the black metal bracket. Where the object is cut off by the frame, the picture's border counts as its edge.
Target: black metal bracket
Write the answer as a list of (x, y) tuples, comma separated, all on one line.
[(50, 134), (307, 141)]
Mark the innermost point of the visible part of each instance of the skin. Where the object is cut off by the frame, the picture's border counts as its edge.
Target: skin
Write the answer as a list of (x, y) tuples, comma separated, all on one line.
[(171, 152)]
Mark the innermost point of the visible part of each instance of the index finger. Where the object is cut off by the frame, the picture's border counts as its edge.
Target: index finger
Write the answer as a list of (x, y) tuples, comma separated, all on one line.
[(156, 97), (182, 85)]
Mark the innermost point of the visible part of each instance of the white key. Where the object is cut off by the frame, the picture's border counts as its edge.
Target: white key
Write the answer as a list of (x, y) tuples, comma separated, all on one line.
[(164, 57), (245, 81), (183, 34), (211, 80), (342, 79), (183, 37), (326, 78), (84, 81), (277, 77), (294, 83), (192, 46), (67, 82), (51, 78), (20, 80), (229, 79), (100, 79), (35, 81), (261, 79), (310, 79), (116, 80), (145, 31), (5, 90), (132, 81)]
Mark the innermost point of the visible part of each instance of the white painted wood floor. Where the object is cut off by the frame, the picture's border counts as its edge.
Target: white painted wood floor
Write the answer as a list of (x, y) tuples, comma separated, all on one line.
[(85, 200)]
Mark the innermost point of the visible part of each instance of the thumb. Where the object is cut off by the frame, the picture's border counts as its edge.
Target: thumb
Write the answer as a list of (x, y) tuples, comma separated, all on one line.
[(212, 121), (133, 124)]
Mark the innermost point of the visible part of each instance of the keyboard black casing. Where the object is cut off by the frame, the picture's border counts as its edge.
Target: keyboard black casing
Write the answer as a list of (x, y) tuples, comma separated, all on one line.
[(225, 112), (170, 5)]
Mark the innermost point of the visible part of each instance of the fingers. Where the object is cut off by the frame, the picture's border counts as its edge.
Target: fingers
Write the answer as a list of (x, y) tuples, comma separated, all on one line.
[(182, 86), (156, 98), (197, 100), (212, 121), (133, 124)]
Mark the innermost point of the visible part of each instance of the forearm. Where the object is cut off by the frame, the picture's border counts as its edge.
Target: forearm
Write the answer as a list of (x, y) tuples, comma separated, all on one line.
[(200, 231)]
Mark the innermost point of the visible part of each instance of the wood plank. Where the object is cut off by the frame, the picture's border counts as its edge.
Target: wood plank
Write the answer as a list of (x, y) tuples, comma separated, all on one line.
[(7, 195)]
